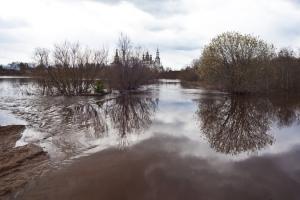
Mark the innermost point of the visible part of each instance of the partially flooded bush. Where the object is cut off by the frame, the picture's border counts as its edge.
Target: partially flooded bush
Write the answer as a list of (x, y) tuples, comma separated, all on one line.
[(99, 87), (73, 70), (237, 63), (246, 64), (128, 71)]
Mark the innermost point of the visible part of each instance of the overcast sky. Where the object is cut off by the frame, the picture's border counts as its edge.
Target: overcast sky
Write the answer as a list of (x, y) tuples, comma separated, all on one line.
[(180, 28)]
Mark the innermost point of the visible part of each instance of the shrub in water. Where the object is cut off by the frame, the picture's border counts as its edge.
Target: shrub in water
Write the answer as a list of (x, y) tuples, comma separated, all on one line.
[(99, 87)]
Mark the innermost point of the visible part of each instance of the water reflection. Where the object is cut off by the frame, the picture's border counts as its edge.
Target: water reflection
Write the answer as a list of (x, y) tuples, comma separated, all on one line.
[(126, 113), (170, 149), (235, 124), (144, 173), (66, 126), (131, 113), (123, 115), (230, 124), (86, 116), (16, 86), (286, 110)]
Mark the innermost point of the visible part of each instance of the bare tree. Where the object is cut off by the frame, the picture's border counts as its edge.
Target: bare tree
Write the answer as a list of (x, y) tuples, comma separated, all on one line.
[(287, 70), (128, 72), (41, 57), (125, 46), (74, 71)]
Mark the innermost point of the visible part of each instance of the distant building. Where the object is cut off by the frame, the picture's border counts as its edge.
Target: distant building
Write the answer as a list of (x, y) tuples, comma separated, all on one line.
[(17, 65), (13, 66), (117, 57), (147, 59)]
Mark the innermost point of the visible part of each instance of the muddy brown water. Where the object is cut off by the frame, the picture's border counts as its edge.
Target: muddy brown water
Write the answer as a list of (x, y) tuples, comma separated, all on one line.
[(171, 142)]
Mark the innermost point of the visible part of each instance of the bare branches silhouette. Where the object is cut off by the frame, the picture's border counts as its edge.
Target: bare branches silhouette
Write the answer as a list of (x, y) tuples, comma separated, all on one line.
[(131, 113), (235, 124)]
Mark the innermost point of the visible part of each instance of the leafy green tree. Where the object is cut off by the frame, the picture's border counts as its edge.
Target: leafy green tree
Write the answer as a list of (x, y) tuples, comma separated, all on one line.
[(99, 87)]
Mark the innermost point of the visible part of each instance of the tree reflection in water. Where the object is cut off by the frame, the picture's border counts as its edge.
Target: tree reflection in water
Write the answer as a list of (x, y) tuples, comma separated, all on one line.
[(235, 124), (86, 116), (131, 113), (127, 113), (286, 110)]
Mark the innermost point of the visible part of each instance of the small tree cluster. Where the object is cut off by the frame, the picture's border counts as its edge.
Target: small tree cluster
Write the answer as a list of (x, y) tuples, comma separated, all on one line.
[(286, 70), (73, 70), (128, 72), (236, 62), (190, 73), (244, 63)]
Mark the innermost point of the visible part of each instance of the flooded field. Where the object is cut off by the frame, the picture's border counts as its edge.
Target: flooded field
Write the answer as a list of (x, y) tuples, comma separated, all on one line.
[(170, 141)]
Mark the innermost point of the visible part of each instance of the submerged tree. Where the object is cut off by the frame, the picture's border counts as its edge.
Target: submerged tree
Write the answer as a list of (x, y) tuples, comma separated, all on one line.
[(236, 62), (128, 71), (73, 70)]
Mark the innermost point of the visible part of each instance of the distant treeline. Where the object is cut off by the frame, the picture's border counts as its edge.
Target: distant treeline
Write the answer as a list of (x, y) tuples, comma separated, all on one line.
[(233, 62), (24, 69), (240, 63), (188, 74)]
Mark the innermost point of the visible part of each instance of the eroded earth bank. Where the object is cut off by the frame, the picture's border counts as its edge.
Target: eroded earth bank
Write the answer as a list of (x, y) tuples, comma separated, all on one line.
[(18, 164)]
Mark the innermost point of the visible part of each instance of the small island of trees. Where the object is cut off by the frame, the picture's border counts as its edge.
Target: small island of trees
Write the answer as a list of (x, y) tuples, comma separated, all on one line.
[(242, 63), (75, 71)]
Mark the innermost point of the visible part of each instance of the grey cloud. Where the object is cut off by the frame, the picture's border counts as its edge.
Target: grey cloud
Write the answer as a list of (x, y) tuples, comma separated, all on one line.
[(288, 29), (185, 47), (6, 38), (180, 45), (154, 7), (12, 23), (290, 32), (157, 26), (295, 1)]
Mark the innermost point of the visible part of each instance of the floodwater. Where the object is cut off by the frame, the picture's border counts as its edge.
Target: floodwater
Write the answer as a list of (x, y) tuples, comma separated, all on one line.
[(169, 142)]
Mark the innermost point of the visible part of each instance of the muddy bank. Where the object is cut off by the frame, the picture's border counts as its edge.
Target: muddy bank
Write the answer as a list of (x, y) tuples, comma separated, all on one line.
[(17, 165)]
